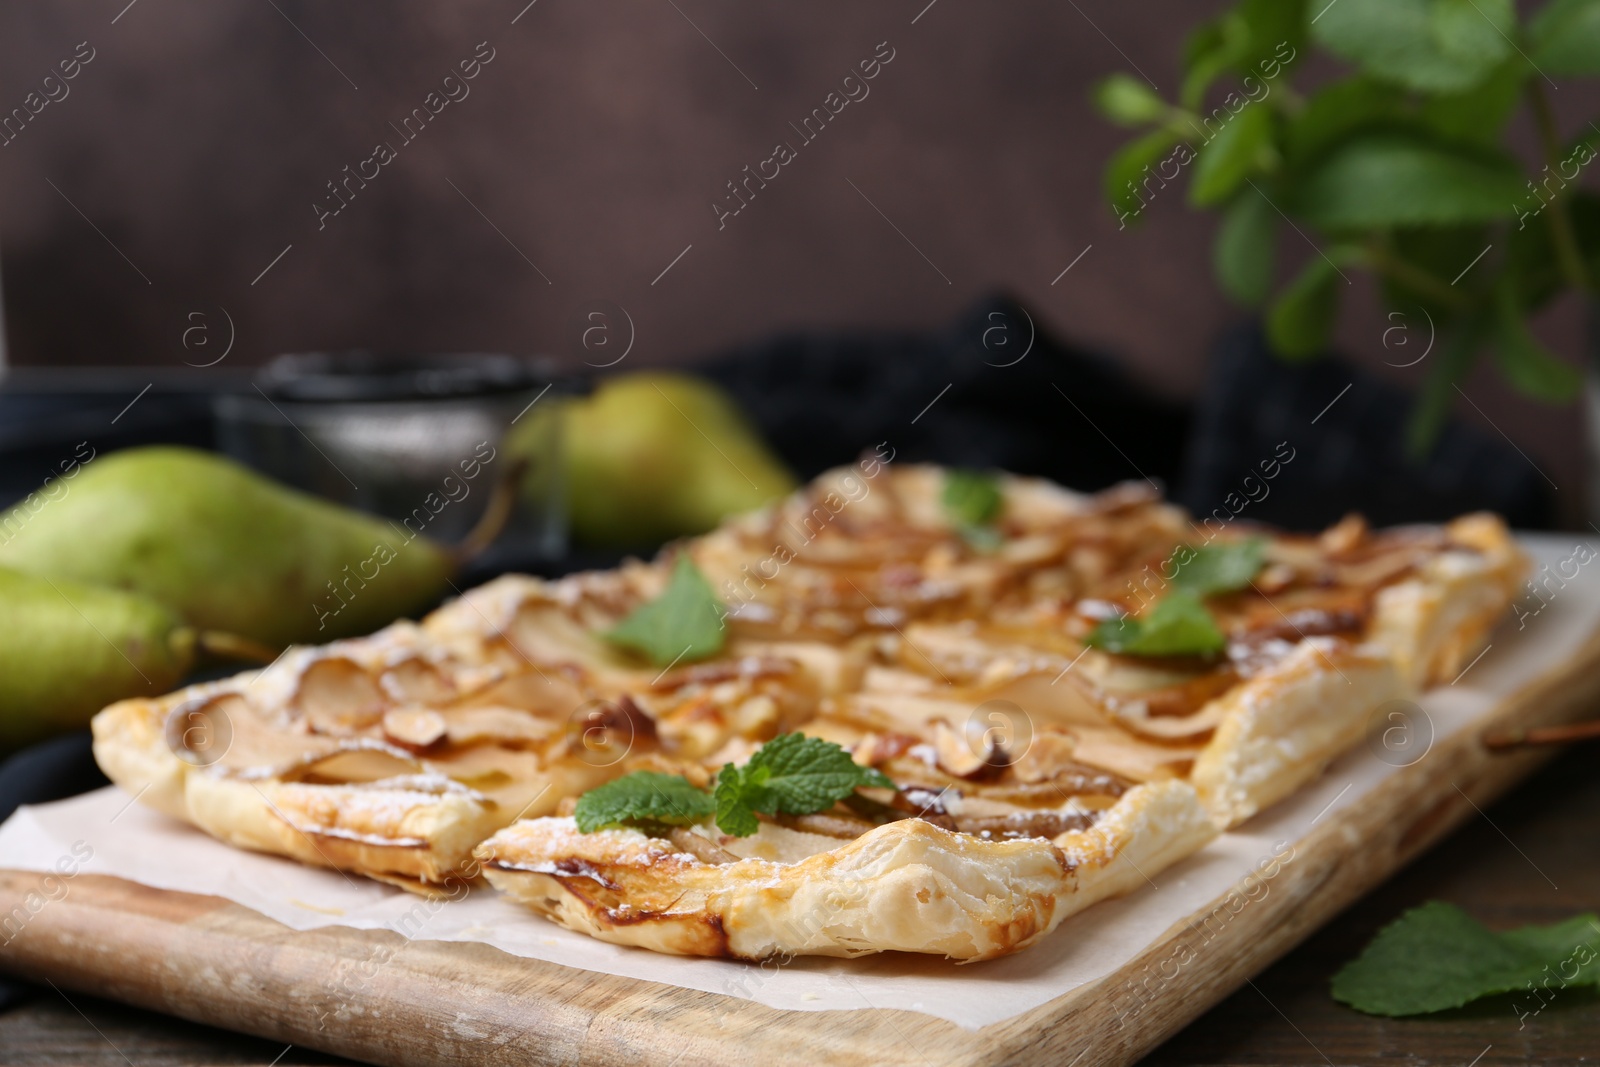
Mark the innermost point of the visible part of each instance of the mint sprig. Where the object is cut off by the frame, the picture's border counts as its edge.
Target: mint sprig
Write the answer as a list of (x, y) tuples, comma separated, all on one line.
[(647, 797), (973, 501), (1437, 956), (971, 498), (1222, 567), (1393, 147), (790, 775), (1179, 625), (682, 625)]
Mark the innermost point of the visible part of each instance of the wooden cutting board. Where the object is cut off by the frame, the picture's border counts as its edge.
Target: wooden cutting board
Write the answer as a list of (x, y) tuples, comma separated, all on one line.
[(212, 961)]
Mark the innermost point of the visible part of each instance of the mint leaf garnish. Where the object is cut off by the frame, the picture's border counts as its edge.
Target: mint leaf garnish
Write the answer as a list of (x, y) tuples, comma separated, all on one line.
[(682, 625), (1437, 956), (791, 775), (985, 540), (1219, 568), (972, 498), (1179, 625), (643, 796), (737, 801)]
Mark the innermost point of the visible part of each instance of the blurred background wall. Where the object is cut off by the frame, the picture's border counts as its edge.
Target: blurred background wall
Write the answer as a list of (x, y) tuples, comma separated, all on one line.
[(176, 185)]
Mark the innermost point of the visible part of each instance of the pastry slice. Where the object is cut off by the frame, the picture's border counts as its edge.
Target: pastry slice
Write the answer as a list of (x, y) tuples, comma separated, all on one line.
[(909, 885), (393, 755)]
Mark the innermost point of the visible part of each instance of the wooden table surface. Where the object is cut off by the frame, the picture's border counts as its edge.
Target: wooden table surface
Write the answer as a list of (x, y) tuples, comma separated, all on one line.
[(1534, 857)]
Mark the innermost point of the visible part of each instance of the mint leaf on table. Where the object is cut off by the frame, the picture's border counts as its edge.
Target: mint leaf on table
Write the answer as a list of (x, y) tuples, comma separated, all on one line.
[(643, 796), (791, 775), (683, 624), (1437, 956), (1221, 567), (1179, 625)]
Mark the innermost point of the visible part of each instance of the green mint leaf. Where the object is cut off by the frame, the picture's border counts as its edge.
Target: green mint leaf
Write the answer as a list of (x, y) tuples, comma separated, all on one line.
[(1179, 625), (1220, 567), (1437, 956), (1566, 38), (1129, 101), (1526, 364), (1531, 261), (682, 625), (1229, 155), (1479, 115), (791, 775), (1433, 406), (1301, 319), (984, 539), (808, 774), (1125, 172), (972, 498), (1246, 247), (1338, 110), (737, 798), (1435, 46), (1383, 180), (643, 796)]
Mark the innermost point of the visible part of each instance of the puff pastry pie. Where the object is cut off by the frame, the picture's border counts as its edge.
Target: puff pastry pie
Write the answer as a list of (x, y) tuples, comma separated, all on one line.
[(1038, 768)]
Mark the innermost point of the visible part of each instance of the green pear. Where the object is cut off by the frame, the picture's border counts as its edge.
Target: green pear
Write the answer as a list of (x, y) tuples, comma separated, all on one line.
[(652, 456), (226, 548), (67, 650)]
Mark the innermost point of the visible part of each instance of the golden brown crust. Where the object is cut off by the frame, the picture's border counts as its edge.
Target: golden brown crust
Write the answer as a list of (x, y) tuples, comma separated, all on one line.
[(907, 886), (1434, 623), (1281, 728)]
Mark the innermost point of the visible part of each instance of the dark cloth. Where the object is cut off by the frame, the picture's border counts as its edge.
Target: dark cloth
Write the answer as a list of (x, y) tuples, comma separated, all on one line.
[(1347, 430), (989, 391), (1072, 415)]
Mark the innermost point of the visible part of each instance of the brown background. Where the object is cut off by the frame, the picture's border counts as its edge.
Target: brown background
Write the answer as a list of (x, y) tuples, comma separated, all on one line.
[(203, 131)]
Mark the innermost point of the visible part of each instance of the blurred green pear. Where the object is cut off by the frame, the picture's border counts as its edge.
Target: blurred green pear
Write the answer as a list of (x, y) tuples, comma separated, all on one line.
[(226, 548), (68, 649), (652, 456)]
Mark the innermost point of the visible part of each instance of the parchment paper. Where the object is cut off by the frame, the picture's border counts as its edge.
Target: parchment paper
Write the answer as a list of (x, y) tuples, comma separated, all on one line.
[(132, 842)]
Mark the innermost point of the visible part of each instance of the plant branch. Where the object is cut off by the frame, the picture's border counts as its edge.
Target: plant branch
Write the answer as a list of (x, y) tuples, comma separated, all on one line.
[(1562, 233), (1414, 277)]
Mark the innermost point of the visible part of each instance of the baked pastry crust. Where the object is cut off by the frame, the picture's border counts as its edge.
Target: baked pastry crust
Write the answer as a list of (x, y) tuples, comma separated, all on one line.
[(1047, 774), (906, 886)]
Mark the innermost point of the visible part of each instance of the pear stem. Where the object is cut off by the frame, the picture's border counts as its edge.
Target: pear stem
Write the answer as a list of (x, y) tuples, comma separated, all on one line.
[(1543, 735), (492, 523), (232, 646)]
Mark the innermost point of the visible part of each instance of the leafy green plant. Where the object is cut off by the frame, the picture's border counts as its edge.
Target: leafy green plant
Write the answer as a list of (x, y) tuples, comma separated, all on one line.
[(1400, 167)]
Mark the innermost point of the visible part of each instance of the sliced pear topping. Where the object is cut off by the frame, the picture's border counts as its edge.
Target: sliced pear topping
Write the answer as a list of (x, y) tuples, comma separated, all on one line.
[(414, 728), (338, 696)]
